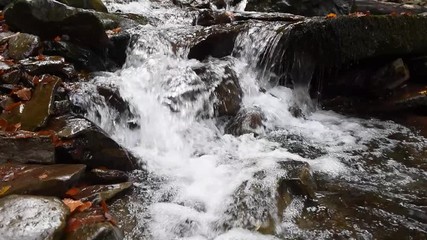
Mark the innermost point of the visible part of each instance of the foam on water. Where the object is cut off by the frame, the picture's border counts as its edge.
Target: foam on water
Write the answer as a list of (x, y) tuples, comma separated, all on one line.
[(199, 167)]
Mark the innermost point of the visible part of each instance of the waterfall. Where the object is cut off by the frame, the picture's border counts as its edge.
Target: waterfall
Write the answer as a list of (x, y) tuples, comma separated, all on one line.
[(192, 169)]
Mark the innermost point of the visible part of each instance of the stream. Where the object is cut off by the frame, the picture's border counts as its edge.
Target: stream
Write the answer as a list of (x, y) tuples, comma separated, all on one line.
[(198, 182)]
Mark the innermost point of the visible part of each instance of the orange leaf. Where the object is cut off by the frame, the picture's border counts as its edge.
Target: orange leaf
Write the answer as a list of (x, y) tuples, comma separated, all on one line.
[(4, 189), (331, 15), (12, 106), (72, 191), (72, 204), (86, 205), (104, 206), (116, 30), (23, 94)]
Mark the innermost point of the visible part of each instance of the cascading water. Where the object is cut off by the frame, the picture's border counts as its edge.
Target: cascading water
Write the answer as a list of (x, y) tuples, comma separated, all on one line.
[(194, 172)]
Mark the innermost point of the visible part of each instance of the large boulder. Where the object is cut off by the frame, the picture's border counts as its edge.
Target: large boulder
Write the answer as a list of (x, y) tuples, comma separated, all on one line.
[(49, 19), (31, 217)]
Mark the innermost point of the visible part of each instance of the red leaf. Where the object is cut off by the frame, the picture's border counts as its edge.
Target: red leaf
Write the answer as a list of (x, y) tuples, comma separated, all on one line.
[(72, 191), (12, 106), (13, 127), (23, 94), (40, 57)]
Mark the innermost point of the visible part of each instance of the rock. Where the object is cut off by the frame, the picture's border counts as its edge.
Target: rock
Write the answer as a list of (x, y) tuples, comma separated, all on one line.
[(23, 45), (390, 76), (10, 75), (98, 193), (96, 231), (209, 18), (301, 7), (32, 217), (107, 176), (96, 5), (227, 90), (258, 206), (34, 114), (82, 58), (378, 37), (381, 7), (31, 149), (43, 65), (112, 97), (216, 41), (92, 225), (246, 121), (49, 19), (50, 180), (86, 143)]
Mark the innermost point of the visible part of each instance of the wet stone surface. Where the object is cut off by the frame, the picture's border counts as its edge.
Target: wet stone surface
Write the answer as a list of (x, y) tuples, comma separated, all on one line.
[(32, 217)]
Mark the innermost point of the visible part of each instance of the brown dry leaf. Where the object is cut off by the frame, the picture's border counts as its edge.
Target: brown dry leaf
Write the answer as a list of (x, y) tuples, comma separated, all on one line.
[(3, 124), (72, 191), (40, 57), (23, 94), (12, 106), (72, 204), (331, 15), (4, 189), (13, 127), (43, 176)]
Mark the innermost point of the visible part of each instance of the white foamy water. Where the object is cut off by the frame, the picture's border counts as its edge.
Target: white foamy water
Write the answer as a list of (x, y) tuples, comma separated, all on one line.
[(199, 168)]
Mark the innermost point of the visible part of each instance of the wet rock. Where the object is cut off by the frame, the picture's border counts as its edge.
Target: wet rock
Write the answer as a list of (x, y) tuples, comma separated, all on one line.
[(107, 176), (10, 75), (229, 95), (96, 231), (387, 7), (32, 217), (209, 18), (86, 143), (112, 97), (96, 5), (50, 180), (92, 225), (34, 114), (390, 76), (43, 65), (82, 58), (301, 7), (246, 121), (30, 149), (418, 68), (310, 41), (49, 19), (216, 42), (98, 193), (23, 45), (260, 206)]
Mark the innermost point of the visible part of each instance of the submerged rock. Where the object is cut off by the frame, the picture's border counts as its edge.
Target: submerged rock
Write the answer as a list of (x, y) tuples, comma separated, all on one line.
[(86, 143), (246, 121), (51, 180), (32, 217), (31, 149), (259, 206), (23, 45)]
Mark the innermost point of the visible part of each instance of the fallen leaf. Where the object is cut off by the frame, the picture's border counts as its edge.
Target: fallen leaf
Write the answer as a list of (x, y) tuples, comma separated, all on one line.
[(72, 204), (116, 30), (3, 124), (104, 206), (74, 223), (4, 189), (43, 176), (13, 127), (72, 191), (331, 15), (57, 39), (35, 80), (86, 205), (40, 57), (12, 106), (23, 94)]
